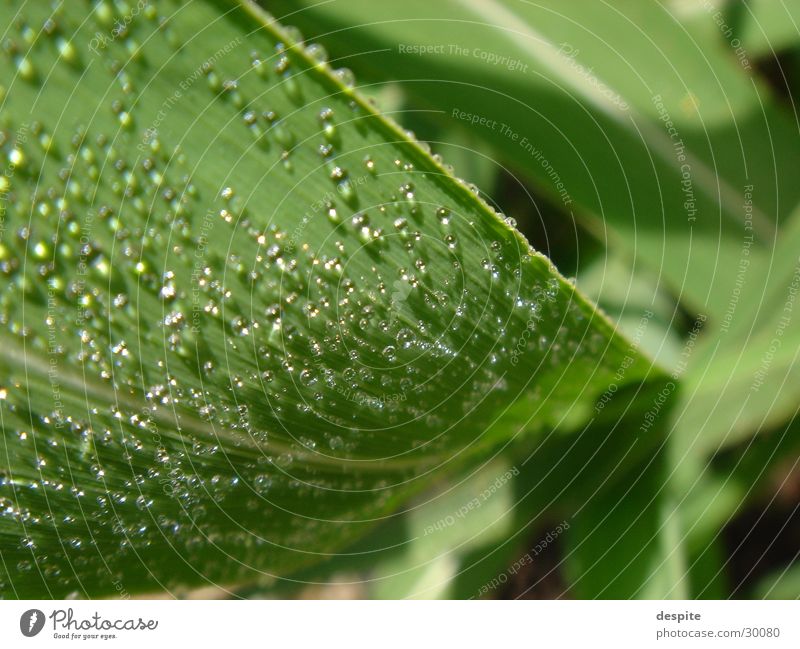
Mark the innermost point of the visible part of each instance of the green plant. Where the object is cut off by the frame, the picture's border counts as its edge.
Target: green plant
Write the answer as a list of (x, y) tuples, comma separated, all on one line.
[(256, 335)]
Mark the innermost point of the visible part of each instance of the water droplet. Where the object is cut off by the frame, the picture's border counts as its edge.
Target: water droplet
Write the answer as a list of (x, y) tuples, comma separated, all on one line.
[(25, 69), (16, 157), (307, 377), (346, 190), (346, 76), (67, 50), (262, 484), (405, 338), (317, 53), (283, 135)]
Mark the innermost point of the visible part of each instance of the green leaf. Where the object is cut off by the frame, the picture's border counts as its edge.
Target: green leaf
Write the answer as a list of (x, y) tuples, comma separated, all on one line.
[(471, 515), (762, 27), (781, 584), (626, 541), (244, 317), (651, 133), (744, 472), (441, 547), (745, 376), (633, 297)]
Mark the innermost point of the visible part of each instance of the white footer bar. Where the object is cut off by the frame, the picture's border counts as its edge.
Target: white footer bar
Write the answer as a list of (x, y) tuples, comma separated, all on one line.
[(401, 625)]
